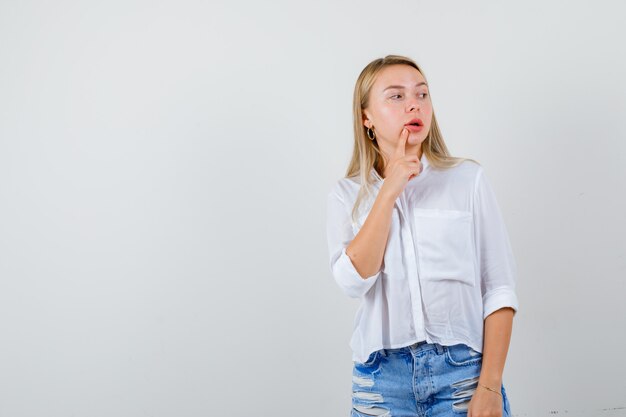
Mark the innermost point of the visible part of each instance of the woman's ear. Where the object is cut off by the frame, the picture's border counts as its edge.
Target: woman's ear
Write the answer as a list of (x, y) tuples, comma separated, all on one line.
[(366, 120)]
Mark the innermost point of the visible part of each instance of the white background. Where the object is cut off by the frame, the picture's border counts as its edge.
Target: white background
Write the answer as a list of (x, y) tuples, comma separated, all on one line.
[(164, 168)]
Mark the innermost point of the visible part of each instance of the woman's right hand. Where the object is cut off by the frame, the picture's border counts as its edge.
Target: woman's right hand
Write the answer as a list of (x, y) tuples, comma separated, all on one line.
[(400, 169)]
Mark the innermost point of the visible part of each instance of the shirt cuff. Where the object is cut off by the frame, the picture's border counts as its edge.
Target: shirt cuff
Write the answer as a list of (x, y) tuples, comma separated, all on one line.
[(349, 279), (499, 298)]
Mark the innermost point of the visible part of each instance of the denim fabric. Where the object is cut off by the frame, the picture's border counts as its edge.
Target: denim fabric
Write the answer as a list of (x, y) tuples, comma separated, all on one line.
[(424, 379)]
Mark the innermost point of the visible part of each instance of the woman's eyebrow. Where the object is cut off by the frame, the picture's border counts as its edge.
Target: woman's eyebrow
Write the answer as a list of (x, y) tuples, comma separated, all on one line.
[(401, 86)]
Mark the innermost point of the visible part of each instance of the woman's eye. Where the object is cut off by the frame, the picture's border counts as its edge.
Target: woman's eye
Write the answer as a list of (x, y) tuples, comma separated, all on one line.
[(400, 95)]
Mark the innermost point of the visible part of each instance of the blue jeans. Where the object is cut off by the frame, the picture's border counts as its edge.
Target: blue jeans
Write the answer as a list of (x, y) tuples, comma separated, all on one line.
[(424, 379)]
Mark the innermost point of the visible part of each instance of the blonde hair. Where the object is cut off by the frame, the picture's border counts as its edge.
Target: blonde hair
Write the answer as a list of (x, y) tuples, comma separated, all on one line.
[(366, 154)]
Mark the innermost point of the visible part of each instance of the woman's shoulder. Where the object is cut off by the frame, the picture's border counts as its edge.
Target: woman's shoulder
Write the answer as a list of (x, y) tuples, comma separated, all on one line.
[(352, 184), (468, 165), (465, 170), (344, 187)]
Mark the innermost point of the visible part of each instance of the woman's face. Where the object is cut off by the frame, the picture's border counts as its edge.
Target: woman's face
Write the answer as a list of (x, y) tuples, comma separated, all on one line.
[(398, 96)]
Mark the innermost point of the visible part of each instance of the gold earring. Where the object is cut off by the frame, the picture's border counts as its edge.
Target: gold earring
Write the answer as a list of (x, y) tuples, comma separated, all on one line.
[(371, 134)]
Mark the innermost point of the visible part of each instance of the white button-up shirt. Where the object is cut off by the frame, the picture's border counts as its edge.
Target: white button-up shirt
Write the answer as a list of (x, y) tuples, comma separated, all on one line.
[(448, 262)]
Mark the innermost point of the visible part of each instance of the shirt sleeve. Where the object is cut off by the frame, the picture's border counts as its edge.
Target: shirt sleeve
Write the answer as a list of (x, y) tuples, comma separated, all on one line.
[(340, 234), (498, 268)]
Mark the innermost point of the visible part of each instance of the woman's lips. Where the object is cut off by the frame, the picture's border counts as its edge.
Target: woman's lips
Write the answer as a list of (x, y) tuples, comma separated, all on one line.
[(413, 128)]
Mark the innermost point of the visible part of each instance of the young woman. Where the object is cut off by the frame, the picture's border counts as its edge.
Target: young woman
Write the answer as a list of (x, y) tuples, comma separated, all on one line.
[(418, 237)]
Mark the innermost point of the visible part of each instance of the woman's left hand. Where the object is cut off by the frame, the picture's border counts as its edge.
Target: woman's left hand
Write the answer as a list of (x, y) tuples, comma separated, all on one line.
[(485, 403)]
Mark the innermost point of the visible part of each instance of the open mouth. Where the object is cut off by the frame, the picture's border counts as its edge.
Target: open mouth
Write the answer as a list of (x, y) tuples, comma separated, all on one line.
[(415, 125), (415, 122)]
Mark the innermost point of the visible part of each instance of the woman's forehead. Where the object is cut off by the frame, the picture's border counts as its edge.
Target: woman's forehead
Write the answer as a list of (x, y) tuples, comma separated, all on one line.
[(398, 75)]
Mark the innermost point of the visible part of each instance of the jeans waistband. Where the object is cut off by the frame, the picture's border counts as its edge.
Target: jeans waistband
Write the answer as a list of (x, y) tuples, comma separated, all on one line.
[(417, 347)]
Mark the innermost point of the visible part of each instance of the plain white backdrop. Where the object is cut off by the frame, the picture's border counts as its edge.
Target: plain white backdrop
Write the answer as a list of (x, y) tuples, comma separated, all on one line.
[(164, 168)]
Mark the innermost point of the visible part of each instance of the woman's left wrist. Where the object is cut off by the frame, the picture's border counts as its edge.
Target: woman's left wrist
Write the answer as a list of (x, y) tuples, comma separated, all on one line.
[(492, 389), (492, 382)]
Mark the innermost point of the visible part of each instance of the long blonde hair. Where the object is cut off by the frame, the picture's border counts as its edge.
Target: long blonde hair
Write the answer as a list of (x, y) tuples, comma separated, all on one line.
[(366, 153)]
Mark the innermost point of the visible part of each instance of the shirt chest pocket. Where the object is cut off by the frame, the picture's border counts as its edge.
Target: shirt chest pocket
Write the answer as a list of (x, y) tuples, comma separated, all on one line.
[(444, 245)]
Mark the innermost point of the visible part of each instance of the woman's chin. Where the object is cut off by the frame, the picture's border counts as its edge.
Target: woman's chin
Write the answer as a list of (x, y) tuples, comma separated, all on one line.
[(413, 140)]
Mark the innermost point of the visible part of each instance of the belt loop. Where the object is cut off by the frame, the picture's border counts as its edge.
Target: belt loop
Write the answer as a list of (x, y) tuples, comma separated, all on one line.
[(383, 351), (440, 348)]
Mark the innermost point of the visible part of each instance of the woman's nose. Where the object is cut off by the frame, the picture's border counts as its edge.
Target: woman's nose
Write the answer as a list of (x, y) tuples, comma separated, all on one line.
[(412, 106)]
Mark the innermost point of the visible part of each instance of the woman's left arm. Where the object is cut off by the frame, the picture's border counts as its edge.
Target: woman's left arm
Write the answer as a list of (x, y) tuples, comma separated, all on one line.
[(497, 281), (498, 327)]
